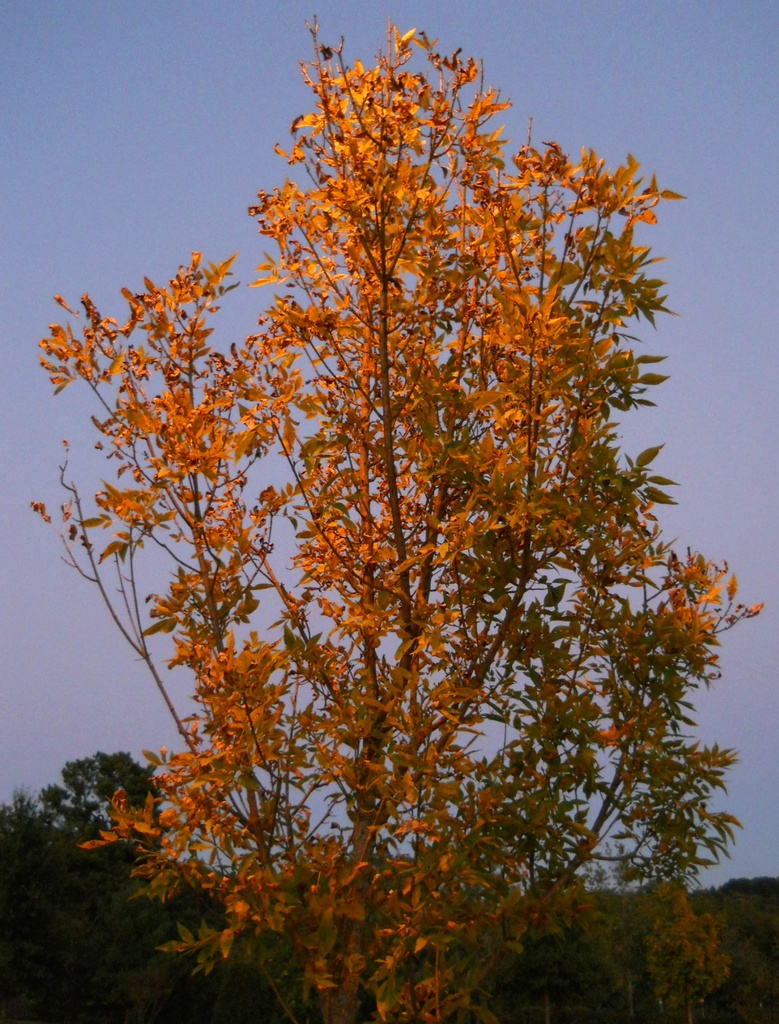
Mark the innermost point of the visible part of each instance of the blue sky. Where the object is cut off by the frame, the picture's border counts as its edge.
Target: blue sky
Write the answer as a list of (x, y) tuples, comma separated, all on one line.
[(134, 133)]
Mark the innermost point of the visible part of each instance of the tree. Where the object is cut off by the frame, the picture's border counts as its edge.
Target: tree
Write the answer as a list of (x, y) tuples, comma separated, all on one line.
[(81, 805), (750, 908), (74, 945), (558, 978), (684, 954), (107, 961), (440, 652), (31, 876)]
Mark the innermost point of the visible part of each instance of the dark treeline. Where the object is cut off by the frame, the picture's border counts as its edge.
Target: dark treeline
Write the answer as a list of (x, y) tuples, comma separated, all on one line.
[(76, 946), (598, 970), (77, 941)]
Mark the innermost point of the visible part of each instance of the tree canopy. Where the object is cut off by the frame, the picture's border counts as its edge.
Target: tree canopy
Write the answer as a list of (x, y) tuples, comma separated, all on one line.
[(441, 654)]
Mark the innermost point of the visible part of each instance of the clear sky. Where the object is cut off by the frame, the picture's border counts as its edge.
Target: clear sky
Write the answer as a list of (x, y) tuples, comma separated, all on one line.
[(136, 132)]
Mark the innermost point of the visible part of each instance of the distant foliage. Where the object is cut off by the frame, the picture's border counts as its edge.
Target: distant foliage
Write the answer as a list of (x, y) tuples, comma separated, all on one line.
[(685, 954)]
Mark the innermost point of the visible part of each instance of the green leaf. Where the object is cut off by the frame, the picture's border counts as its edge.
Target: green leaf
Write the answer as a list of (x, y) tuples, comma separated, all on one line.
[(95, 521), (648, 455), (161, 626), (116, 365), (116, 547), (657, 496)]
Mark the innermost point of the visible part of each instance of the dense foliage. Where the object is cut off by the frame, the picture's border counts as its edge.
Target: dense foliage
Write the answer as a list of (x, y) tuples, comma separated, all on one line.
[(75, 947), (440, 652)]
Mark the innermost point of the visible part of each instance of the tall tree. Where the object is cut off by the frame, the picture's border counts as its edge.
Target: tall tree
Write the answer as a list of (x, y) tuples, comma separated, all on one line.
[(440, 652)]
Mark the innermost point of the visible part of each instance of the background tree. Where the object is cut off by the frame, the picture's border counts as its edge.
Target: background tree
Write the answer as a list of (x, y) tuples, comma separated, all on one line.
[(411, 733), (31, 876), (624, 919), (684, 953), (74, 945), (81, 804), (750, 908), (559, 978)]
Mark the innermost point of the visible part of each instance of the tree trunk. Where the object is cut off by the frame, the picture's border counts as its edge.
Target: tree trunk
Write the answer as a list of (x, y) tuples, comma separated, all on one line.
[(340, 1005)]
